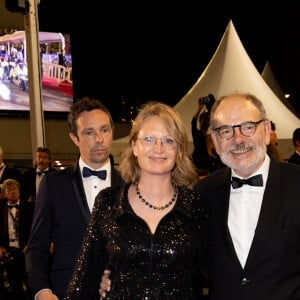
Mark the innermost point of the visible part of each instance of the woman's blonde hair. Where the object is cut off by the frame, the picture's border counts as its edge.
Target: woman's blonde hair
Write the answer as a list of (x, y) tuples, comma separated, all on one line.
[(184, 172)]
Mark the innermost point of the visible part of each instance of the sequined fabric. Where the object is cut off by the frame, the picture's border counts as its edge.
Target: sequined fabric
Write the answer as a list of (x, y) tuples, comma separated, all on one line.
[(164, 265)]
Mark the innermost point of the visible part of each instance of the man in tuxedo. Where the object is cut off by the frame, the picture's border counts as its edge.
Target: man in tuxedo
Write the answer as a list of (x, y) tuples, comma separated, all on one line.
[(32, 177), (254, 208), (15, 222), (295, 157), (204, 156), (7, 172), (65, 200)]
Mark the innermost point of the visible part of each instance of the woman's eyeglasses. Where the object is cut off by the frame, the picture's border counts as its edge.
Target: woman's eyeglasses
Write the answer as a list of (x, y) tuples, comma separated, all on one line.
[(167, 142)]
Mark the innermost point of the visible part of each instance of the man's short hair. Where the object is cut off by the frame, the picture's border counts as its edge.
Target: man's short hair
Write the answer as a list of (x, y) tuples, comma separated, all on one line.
[(296, 136), (43, 149)]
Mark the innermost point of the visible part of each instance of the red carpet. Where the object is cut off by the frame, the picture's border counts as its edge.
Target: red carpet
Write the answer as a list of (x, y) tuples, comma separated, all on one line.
[(64, 87)]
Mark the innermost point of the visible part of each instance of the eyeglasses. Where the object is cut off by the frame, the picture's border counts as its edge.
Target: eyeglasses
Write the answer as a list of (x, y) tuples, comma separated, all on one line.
[(167, 142), (247, 129)]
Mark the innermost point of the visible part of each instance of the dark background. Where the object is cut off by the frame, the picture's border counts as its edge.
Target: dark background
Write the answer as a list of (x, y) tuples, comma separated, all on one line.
[(136, 52)]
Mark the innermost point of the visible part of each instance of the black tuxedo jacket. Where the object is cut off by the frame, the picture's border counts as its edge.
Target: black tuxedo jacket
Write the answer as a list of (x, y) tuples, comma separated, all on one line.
[(11, 173), (61, 216), (295, 158), (272, 270), (28, 189), (26, 210)]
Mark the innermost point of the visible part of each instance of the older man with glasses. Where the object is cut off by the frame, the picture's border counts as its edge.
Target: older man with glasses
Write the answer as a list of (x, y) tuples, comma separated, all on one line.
[(254, 207)]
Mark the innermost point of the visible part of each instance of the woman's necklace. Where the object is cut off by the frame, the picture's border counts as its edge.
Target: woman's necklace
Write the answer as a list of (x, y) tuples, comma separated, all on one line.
[(174, 197)]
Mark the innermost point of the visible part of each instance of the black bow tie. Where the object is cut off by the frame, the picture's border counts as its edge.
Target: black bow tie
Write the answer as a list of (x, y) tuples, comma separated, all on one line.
[(86, 172), (14, 205), (256, 180), (42, 172)]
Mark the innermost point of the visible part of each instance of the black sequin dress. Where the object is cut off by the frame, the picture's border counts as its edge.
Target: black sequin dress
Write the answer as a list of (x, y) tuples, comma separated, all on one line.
[(145, 266)]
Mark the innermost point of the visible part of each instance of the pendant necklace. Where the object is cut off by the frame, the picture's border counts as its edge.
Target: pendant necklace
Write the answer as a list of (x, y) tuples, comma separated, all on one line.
[(174, 197)]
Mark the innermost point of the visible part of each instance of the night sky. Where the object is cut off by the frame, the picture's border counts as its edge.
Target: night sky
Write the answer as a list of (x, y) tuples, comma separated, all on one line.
[(148, 51)]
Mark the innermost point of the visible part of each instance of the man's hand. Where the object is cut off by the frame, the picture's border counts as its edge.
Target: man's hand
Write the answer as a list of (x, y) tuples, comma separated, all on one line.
[(2, 251), (104, 284), (46, 295)]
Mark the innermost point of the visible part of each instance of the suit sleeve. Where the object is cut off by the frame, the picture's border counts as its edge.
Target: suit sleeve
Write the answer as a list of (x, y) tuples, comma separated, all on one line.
[(37, 255)]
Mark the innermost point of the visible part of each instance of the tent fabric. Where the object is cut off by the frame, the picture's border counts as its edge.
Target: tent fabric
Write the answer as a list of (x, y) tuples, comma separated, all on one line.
[(230, 69), (269, 77)]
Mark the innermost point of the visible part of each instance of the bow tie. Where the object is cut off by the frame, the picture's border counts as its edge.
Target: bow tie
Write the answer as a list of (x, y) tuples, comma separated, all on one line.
[(42, 172), (256, 180), (14, 205), (86, 172)]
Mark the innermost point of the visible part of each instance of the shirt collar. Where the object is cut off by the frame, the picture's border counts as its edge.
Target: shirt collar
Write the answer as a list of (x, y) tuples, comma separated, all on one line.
[(17, 203), (106, 166), (39, 170)]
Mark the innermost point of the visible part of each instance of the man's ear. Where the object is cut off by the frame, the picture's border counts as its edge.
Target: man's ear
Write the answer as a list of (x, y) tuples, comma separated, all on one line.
[(214, 137), (268, 130), (74, 138)]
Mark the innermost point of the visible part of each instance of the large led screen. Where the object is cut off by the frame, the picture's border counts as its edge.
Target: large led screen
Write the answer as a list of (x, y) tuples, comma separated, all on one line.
[(56, 72)]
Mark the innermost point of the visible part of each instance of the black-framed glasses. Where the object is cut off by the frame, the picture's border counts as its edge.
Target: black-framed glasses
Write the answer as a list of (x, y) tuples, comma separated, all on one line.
[(247, 129), (167, 142)]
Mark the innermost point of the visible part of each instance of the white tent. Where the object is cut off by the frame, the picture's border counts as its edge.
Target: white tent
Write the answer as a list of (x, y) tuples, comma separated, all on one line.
[(269, 77), (229, 70)]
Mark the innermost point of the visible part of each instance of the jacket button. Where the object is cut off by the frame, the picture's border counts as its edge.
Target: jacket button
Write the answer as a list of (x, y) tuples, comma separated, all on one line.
[(245, 281)]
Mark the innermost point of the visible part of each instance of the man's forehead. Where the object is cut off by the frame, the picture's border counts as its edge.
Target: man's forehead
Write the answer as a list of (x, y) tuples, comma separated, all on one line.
[(236, 111)]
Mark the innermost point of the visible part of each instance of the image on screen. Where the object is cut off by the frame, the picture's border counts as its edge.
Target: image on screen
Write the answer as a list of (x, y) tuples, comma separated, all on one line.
[(56, 72)]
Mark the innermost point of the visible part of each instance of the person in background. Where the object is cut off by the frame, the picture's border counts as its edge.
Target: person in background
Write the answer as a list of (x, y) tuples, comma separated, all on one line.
[(204, 156), (150, 231), (15, 222), (7, 172), (254, 207), (62, 62), (295, 157), (32, 177), (273, 134), (65, 200), (272, 147)]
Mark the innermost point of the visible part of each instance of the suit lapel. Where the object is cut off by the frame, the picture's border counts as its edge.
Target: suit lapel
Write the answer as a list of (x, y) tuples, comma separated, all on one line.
[(225, 211), (116, 178), (220, 194), (268, 214), (79, 192)]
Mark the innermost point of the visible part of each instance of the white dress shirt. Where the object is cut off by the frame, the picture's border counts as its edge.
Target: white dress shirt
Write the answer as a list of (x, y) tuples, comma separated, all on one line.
[(244, 208), (93, 185), (12, 231)]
